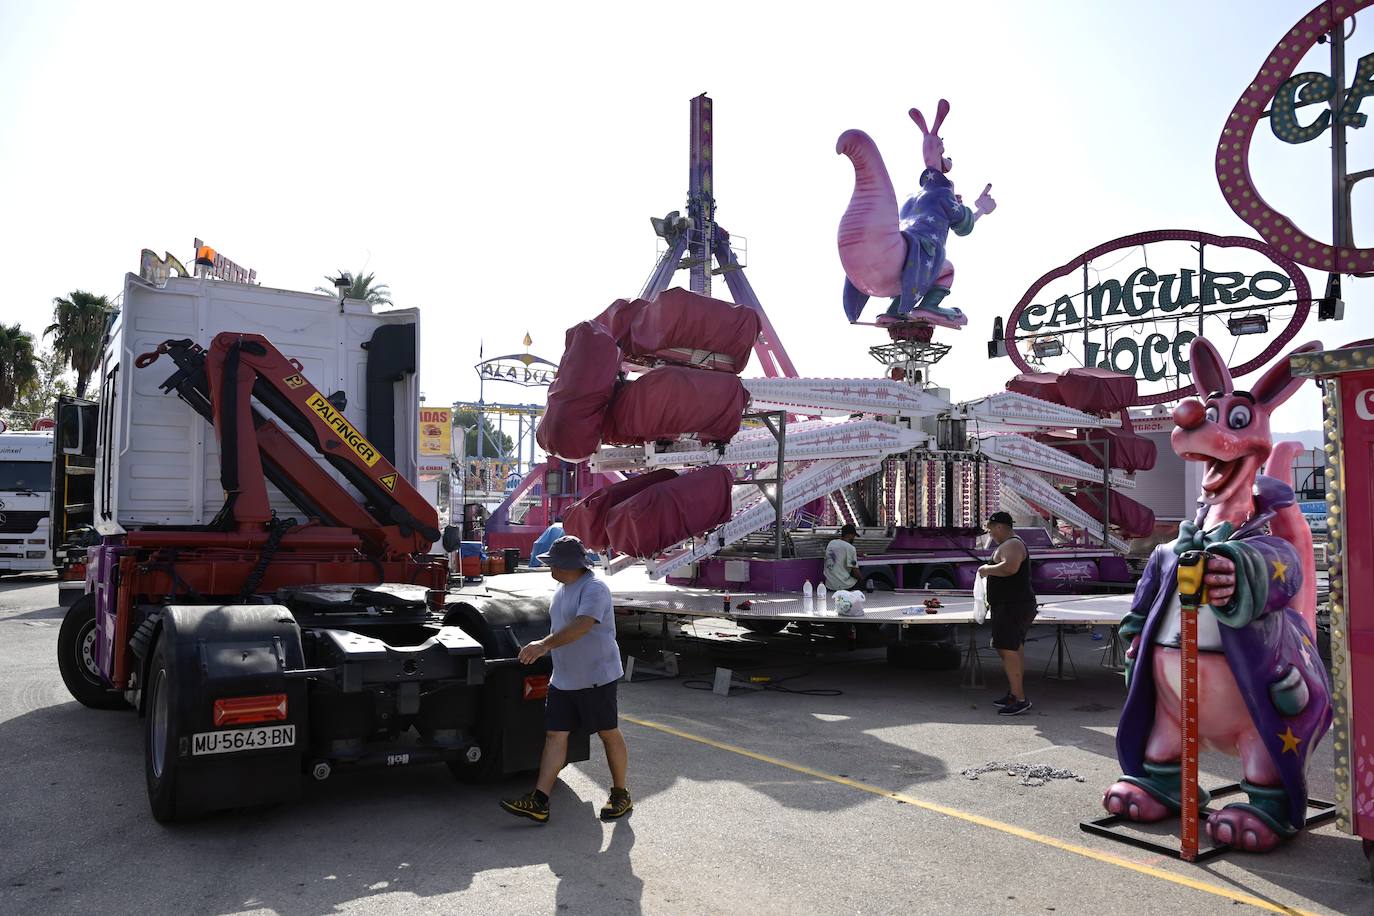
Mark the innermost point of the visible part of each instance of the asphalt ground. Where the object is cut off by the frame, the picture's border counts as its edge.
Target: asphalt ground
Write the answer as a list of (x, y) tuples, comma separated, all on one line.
[(763, 802)]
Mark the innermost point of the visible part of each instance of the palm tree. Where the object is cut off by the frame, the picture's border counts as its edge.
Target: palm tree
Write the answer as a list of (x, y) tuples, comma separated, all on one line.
[(78, 329), (18, 366), (360, 287)]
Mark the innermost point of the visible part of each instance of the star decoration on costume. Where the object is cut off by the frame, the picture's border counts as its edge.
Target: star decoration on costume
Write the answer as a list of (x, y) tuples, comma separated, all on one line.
[(1281, 570), (1290, 740)]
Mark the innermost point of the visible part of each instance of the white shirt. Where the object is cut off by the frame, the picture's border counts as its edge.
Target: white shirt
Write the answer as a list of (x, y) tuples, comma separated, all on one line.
[(840, 556), (1171, 629)]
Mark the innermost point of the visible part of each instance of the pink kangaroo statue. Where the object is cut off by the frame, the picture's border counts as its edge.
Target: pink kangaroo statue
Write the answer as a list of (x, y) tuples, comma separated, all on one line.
[(1263, 691), (901, 254)]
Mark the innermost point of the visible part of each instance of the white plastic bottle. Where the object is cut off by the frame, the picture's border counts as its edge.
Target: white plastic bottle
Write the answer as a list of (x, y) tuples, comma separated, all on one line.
[(806, 597), (820, 599)]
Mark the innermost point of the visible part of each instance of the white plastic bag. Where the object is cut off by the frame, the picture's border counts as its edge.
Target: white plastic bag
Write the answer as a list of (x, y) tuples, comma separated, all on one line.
[(980, 599), (850, 603)]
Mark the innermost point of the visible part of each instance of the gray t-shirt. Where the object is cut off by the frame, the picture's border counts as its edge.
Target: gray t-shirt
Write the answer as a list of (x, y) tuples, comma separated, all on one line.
[(840, 556), (594, 659)]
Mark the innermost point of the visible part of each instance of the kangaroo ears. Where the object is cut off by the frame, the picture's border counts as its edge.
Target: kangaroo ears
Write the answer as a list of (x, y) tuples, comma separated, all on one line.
[(1278, 384), (940, 111), (1210, 374), (920, 120)]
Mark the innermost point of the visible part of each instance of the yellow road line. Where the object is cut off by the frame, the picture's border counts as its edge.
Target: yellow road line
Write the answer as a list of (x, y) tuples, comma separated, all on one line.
[(978, 819)]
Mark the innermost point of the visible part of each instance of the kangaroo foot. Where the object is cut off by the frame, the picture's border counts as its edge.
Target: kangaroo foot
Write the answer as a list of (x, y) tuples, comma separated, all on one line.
[(1240, 827), (943, 317), (1131, 801)]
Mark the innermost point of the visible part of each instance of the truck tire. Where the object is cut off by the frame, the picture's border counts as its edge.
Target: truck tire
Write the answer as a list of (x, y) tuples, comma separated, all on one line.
[(76, 658), (159, 735)]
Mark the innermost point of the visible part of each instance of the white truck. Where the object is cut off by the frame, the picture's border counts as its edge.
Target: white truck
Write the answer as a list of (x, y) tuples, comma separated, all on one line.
[(26, 480)]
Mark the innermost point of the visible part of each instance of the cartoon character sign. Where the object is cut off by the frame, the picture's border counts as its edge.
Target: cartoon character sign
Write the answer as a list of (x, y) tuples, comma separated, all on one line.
[(1263, 691), (902, 254)]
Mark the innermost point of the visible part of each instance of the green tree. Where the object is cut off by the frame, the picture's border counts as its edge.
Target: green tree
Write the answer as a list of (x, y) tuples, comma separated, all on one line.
[(364, 287), (41, 400), (18, 365), (78, 331), (495, 444)]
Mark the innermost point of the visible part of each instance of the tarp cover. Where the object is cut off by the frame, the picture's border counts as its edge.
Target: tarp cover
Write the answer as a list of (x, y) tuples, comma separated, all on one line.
[(1129, 451), (587, 517), (680, 318), (1134, 519), (580, 393), (1097, 390), (673, 401), (664, 514), (618, 317), (1042, 385)]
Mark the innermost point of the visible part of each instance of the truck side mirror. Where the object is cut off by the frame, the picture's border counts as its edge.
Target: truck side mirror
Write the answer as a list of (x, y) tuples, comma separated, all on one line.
[(453, 536), (76, 429)]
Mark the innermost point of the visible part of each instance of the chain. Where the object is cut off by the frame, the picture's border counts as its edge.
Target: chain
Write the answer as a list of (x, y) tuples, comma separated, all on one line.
[(1031, 774)]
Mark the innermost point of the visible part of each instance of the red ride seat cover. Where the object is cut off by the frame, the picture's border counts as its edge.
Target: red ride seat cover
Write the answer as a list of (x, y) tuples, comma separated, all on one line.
[(673, 401), (580, 393), (587, 517), (661, 515)]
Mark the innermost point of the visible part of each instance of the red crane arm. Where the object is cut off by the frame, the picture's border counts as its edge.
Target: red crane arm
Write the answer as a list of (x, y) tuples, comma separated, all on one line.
[(241, 365)]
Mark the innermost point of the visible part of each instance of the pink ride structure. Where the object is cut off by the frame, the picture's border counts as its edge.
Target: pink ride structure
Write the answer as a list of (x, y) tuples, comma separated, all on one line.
[(901, 254), (1264, 695)]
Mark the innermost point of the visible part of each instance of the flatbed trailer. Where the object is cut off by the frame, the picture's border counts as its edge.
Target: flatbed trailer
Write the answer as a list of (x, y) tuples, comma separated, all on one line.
[(890, 617)]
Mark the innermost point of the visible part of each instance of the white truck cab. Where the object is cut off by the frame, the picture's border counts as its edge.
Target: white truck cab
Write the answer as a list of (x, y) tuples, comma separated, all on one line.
[(26, 501)]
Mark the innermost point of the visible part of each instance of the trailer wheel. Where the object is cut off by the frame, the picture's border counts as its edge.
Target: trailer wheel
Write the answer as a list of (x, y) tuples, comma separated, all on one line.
[(160, 736), (76, 658)]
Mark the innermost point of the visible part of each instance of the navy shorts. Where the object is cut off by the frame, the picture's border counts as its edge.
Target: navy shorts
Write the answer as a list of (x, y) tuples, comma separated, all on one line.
[(1011, 623), (584, 711)]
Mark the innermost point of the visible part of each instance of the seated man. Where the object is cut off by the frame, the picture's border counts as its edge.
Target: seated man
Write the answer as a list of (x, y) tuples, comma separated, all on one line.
[(842, 561)]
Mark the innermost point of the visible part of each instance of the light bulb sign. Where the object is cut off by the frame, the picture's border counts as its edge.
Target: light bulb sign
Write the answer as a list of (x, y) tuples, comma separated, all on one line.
[(1283, 96), (1135, 304)]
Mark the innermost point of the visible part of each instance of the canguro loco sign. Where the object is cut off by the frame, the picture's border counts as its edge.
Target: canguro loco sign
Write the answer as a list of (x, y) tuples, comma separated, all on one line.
[(1138, 311)]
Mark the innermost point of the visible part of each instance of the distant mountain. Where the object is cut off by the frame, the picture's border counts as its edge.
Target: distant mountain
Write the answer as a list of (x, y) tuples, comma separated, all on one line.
[(1310, 438)]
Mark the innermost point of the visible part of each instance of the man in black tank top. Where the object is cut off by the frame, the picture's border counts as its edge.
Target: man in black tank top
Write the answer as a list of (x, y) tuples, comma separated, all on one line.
[(1012, 603)]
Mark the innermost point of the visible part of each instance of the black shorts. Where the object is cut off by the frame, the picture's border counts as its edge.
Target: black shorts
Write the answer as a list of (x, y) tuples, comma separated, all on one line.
[(584, 711), (1010, 624)]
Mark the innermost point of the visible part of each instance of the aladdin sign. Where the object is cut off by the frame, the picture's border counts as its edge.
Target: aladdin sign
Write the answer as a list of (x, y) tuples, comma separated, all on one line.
[(1143, 323), (521, 369)]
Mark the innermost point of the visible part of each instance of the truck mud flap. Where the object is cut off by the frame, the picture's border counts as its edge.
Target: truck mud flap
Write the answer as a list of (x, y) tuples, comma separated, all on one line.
[(513, 696), (222, 652)]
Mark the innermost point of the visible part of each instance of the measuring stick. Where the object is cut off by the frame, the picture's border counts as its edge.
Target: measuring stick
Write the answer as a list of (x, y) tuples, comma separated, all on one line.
[(1191, 568)]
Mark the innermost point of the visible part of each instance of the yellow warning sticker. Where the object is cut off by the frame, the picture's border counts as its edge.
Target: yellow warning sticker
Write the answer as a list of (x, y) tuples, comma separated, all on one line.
[(388, 481), (350, 436), (293, 381)]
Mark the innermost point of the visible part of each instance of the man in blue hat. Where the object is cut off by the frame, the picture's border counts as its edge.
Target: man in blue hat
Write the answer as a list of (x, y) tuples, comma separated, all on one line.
[(586, 669)]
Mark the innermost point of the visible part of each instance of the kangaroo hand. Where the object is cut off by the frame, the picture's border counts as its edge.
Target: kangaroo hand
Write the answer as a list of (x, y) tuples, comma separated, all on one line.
[(985, 203), (1220, 580)]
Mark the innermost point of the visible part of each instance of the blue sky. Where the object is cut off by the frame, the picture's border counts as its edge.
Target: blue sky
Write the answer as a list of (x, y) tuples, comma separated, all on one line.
[(497, 165)]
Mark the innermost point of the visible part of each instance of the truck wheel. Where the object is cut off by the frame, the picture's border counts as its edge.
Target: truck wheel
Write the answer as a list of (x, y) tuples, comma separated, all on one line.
[(76, 658), (763, 627), (488, 767), (160, 736)]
